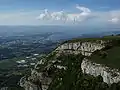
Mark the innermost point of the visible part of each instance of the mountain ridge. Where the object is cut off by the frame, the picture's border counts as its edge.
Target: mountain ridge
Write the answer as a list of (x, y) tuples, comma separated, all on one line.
[(46, 69)]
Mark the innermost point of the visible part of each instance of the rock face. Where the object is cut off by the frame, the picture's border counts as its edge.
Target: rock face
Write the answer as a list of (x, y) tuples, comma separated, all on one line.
[(85, 48), (28, 85), (40, 80), (109, 75), (37, 81), (31, 86)]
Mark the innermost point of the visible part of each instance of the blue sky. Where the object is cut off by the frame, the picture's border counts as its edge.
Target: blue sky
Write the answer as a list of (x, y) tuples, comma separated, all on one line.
[(56, 4), (25, 12)]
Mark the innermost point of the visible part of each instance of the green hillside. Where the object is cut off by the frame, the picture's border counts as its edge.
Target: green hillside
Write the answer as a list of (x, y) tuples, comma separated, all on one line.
[(105, 38), (110, 55)]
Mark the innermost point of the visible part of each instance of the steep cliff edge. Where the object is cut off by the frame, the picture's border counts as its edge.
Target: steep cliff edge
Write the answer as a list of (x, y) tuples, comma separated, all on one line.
[(46, 69), (109, 75), (84, 47)]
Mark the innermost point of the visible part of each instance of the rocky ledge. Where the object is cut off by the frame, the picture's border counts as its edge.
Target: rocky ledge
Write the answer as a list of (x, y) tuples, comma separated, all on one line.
[(109, 75)]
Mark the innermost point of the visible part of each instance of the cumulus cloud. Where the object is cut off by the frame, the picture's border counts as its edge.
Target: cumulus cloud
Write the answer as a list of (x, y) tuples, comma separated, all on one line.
[(114, 17), (114, 20), (65, 17), (85, 11), (83, 16)]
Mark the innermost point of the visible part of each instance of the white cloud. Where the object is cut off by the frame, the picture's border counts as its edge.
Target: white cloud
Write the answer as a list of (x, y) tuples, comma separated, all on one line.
[(85, 11), (114, 20), (84, 16), (65, 17)]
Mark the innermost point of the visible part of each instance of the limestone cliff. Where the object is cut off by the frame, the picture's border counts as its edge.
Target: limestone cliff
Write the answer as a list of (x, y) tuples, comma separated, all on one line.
[(40, 78), (85, 48), (109, 75)]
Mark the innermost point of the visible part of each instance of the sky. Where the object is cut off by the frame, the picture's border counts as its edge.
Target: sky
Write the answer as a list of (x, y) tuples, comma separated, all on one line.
[(60, 12)]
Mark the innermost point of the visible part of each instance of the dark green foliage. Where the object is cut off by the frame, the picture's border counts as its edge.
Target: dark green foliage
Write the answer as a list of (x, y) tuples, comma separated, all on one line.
[(109, 55), (105, 38), (73, 78), (103, 54), (109, 46), (15, 88), (67, 79), (99, 79), (115, 86)]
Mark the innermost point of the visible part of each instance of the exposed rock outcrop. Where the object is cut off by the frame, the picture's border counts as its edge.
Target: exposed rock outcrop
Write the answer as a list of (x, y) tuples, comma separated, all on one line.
[(109, 75), (85, 48), (37, 81)]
